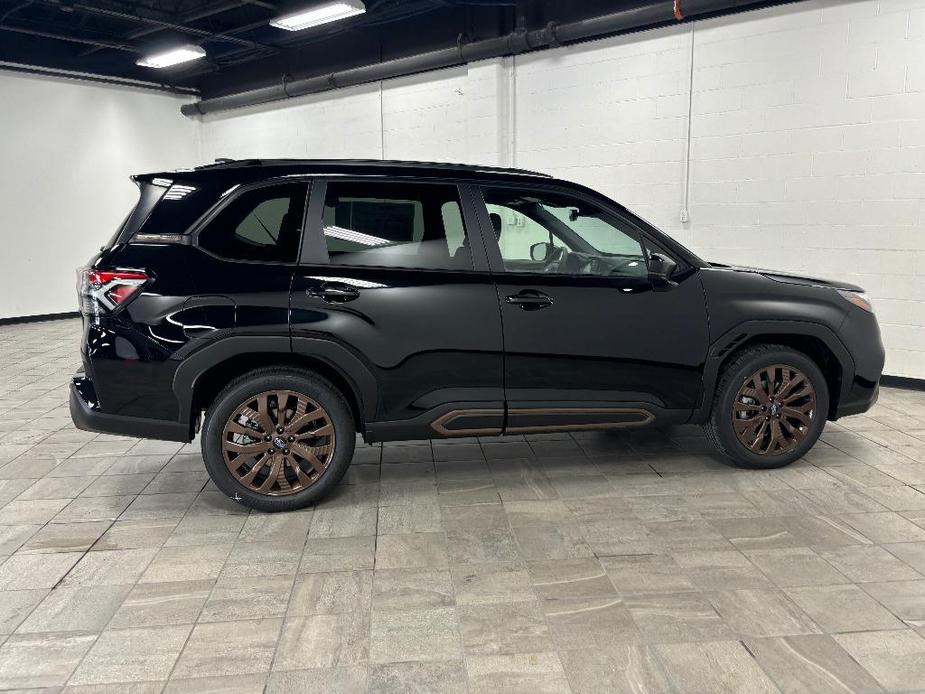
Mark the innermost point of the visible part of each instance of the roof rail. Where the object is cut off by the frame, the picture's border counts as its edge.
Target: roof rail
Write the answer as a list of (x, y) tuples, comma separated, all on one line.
[(225, 162), (232, 163)]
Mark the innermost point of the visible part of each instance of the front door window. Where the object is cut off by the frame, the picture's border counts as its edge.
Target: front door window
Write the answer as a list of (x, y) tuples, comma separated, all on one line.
[(554, 233)]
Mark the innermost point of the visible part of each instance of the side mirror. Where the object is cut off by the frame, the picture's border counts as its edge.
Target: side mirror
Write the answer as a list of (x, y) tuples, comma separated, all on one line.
[(540, 251), (660, 271)]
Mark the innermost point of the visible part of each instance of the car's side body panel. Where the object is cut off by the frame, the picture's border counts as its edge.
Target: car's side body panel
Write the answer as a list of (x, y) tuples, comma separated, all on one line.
[(430, 338), (745, 305), (608, 350), (131, 355), (432, 353), (734, 297)]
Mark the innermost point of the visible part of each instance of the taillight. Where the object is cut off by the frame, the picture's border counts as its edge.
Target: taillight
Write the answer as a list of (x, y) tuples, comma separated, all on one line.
[(103, 291)]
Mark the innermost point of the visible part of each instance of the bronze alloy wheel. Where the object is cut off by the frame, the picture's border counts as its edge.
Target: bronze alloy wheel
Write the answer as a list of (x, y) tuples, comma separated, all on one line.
[(774, 409), (278, 442)]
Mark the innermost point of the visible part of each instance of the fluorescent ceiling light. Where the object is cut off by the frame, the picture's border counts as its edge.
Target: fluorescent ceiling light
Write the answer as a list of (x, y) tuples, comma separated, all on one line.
[(319, 14), (183, 54)]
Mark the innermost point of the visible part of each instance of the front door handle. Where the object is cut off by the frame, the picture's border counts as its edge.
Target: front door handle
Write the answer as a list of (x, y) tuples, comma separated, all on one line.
[(334, 293), (529, 300)]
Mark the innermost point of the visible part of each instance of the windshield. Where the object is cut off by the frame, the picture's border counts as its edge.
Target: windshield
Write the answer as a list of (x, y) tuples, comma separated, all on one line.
[(601, 235)]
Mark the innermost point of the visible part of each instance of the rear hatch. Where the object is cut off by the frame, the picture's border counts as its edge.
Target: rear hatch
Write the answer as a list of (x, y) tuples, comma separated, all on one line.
[(168, 206)]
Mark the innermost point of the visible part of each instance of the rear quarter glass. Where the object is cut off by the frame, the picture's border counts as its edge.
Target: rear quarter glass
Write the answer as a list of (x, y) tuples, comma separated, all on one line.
[(170, 206), (148, 197)]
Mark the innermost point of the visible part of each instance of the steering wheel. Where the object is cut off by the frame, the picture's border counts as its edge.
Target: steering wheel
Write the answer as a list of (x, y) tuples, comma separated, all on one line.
[(554, 259)]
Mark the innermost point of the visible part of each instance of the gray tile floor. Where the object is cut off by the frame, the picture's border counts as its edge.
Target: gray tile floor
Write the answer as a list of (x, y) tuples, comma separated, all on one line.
[(599, 562)]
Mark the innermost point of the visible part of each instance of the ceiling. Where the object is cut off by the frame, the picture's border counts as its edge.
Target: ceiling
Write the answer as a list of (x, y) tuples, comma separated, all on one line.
[(106, 37)]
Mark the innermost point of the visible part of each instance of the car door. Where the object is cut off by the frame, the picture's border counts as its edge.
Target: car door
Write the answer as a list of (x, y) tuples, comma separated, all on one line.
[(394, 273), (247, 249), (589, 340)]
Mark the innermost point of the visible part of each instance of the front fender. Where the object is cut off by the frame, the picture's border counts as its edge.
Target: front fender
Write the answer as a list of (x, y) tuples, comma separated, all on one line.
[(742, 333)]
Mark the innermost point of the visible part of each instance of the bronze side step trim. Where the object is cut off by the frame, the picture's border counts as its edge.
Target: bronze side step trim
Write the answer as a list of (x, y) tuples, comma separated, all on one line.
[(442, 424)]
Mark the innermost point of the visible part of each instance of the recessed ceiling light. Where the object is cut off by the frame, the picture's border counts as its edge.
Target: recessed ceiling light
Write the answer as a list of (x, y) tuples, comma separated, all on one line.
[(319, 14), (183, 54)]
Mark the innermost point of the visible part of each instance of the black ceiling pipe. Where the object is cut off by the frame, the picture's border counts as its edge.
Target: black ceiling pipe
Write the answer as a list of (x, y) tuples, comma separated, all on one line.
[(511, 44), (72, 39), (7, 66), (194, 16), (161, 24)]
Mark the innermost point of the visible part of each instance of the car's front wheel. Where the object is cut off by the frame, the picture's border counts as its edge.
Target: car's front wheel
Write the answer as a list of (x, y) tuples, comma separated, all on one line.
[(278, 439), (769, 408)]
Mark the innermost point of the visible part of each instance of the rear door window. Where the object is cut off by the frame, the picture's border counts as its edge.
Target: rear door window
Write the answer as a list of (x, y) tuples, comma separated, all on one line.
[(384, 224), (263, 224)]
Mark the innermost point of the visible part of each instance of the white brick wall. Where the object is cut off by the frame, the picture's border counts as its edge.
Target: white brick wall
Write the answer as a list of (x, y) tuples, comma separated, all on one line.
[(67, 149), (348, 126), (610, 114), (840, 126), (807, 137)]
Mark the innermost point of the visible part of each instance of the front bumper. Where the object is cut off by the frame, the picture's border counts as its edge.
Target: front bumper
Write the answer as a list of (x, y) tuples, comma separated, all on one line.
[(860, 397), (860, 333), (86, 414)]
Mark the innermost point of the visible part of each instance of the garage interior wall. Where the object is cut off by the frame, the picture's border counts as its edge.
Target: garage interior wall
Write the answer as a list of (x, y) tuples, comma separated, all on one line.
[(792, 137), (68, 148), (806, 148)]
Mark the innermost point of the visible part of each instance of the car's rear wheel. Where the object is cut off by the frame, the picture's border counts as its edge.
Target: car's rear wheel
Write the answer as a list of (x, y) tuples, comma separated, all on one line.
[(278, 439), (769, 408)]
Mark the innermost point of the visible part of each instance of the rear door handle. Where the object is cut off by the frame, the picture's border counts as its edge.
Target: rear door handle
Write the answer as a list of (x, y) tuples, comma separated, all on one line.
[(198, 330), (334, 293), (529, 300)]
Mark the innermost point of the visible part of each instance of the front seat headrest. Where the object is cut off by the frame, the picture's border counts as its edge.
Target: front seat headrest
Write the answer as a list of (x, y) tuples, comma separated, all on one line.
[(496, 223)]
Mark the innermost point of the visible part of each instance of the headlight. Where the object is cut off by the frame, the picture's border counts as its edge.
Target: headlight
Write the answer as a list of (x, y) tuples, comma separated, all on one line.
[(859, 299)]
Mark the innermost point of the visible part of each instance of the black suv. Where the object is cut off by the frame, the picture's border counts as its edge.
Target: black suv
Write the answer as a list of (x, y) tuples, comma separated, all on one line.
[(296, 303)]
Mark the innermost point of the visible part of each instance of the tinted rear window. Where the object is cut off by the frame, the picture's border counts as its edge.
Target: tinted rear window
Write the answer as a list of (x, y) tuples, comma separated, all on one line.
[(416, 225), (262, 224)]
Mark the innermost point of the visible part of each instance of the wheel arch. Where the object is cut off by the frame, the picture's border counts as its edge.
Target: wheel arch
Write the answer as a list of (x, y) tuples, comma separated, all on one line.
[(202, 375), (817, 341)]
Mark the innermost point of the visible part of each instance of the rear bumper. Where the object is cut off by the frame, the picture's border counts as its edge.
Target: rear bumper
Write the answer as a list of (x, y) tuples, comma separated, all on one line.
[(86, 415)]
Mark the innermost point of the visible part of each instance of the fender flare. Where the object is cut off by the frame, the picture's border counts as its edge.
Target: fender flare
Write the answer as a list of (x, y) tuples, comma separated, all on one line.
[(742, 332), (356, 374)]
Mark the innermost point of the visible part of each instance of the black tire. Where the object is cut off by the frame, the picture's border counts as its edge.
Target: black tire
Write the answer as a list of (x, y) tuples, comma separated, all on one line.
[(737, 372), (250, 385)]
